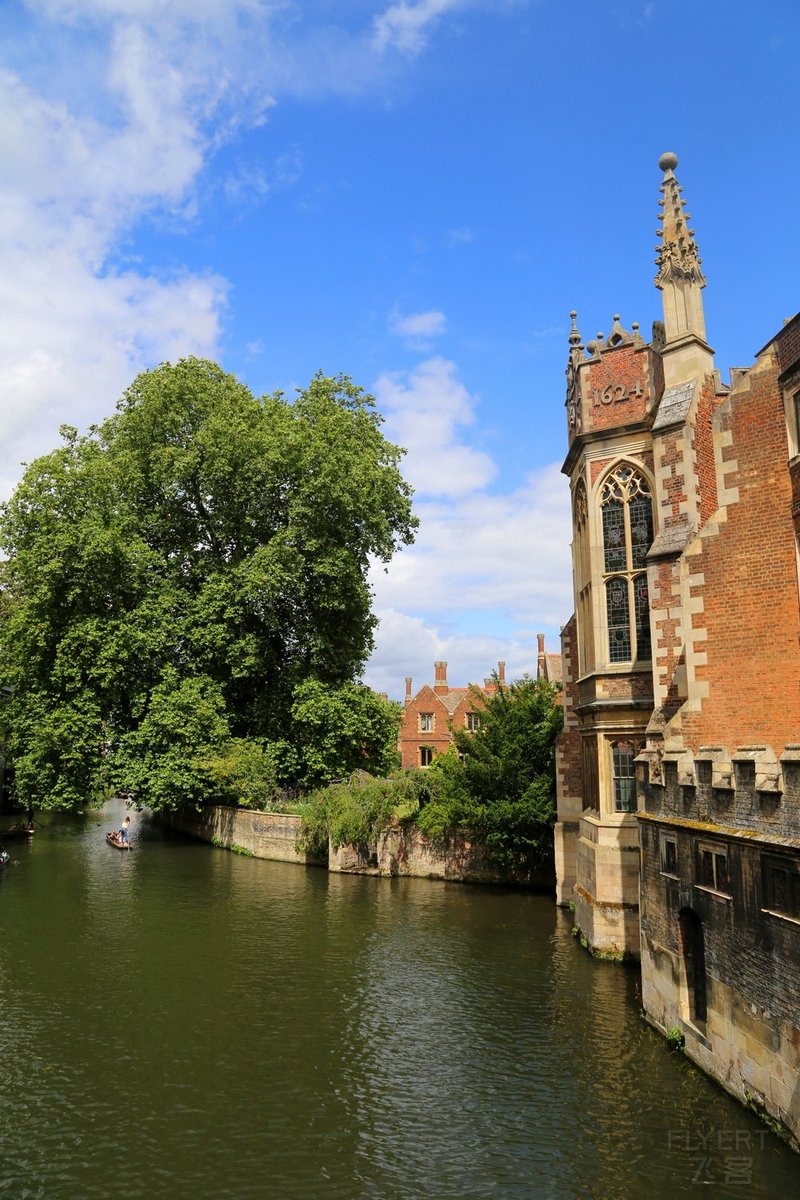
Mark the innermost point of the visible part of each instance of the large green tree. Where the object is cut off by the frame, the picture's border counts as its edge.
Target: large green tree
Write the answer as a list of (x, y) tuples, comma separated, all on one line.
[(174, 578), (500, 783)]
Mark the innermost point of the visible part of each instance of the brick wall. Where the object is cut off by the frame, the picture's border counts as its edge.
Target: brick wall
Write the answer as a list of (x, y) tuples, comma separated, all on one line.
[(749, 1037), (616, 388), (746, 623), (569, 775), (412, 737), (449, 711), (787, 344)]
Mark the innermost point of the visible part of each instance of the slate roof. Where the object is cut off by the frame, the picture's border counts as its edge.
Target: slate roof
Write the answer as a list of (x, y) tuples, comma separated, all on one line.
[(675, 404)]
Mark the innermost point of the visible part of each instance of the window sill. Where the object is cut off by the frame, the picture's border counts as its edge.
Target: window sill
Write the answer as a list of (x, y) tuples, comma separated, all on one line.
[(781, 916), (709, 891), (642, 666), (670, 875), (610, 818)]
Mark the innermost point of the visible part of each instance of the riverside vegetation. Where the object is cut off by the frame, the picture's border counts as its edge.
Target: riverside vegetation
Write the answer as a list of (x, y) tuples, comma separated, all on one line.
[(499, 783)]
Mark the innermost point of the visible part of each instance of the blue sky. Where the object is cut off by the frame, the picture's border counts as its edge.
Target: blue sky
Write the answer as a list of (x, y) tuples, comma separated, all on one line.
[(415, 193)]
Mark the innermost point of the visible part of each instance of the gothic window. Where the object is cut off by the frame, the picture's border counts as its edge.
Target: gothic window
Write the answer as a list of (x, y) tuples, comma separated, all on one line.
[(627, 513), (583, 579), (425, 756), (473, 721), (426, 722)]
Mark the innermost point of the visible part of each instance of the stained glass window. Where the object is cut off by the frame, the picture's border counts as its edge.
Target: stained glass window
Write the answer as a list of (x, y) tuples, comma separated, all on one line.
[(619, 624), (641, 608), (641, 517), (627, 512)]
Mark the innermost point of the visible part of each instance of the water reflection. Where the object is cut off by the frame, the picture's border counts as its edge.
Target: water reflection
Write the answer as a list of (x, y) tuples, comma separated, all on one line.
[(227, 1027)]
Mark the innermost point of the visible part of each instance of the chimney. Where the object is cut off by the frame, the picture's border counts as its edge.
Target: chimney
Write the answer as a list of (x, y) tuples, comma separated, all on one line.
[(489, 685), (541, 665), (383, 696), (408, 689), (440, 684), (501, 671)]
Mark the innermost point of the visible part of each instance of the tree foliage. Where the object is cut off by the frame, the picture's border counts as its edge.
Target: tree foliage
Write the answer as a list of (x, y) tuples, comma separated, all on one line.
[(337, 731), (176, 578), (502, 787), (356, 810), (499, 783)]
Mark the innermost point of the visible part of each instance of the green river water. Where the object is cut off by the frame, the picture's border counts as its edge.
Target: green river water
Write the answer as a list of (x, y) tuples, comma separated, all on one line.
[(179, 1021)]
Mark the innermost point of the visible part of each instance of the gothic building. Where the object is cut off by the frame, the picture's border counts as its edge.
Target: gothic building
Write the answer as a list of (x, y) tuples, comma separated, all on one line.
[(678, 835)]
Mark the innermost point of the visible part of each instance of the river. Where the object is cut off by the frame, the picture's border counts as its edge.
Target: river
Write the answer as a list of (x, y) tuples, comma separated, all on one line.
[(180, 1021)]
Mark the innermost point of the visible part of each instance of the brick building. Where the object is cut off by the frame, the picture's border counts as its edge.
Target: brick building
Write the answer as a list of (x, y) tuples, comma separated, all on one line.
[(679, 766), (430, 717)]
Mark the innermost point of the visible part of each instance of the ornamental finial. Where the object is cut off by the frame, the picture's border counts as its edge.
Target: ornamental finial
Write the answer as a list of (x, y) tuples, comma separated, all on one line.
[(676, 255), (574, 336)]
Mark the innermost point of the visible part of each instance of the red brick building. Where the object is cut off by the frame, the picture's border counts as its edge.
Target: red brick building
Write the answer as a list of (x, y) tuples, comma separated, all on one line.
[(678, 835), (430, 717)]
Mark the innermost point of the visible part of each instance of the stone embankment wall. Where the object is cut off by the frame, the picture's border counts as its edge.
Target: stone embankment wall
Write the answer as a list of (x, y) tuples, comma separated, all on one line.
[(262, 834), (405, 850), (399, 849)]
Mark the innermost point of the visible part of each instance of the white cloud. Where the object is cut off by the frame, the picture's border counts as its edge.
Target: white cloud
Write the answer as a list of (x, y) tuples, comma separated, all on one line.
[(246, 186), (407, 645), (486, 550), (112, 112), (422, 325), (404, 26), (482, 555), (76, 173), (461, 236), (425, 412), (85, 154)]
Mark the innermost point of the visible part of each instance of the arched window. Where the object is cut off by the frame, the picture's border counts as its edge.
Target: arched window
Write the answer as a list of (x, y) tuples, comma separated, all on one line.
[(583, 578), (627, 512)]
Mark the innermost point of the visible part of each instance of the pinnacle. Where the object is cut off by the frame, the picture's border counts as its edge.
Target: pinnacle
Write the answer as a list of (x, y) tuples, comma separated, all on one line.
[(677, 253)]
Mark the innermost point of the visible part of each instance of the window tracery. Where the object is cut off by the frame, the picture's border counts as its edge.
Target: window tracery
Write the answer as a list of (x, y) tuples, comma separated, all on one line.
[(627, 517)]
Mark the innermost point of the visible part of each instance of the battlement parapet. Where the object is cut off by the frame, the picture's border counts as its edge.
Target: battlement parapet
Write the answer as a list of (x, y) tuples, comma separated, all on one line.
[(753, 789)]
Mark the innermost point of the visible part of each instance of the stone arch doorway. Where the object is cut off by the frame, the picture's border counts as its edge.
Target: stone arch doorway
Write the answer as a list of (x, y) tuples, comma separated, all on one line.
[(693, 966)]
